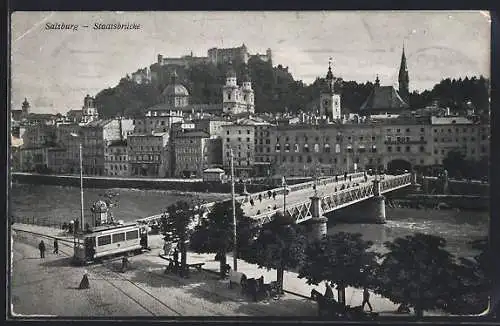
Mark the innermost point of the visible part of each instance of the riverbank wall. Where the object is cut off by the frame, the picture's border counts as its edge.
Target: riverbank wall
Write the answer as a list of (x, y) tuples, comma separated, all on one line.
[(456, 187), (133, 183)]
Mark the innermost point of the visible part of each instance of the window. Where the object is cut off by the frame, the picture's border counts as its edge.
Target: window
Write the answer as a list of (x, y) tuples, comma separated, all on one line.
[(316, 148), (373, 137), (407, 148), (248, 139), (227, 132), (248, 132), (421, 129), (287, 147), (309, 159), (296, 148), (398, 148), (422, 149), (104, 240), (306, 148), (118, 237), (239, 138), (361, 138), (422, 138), (407, 129), (435, 151), (389, 149), (398, 130), (277, 147)]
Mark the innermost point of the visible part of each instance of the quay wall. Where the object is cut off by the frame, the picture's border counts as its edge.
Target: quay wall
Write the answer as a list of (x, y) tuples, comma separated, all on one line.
[(136, 183), (456, 187)]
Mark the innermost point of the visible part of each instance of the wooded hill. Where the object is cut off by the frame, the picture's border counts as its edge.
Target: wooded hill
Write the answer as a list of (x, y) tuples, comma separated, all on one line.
[(275, 90)]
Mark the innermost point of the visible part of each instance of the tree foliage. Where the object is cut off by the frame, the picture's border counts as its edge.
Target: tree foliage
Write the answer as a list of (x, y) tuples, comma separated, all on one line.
[(342, 259), (417, 271), (458, 166), (279, 244), (215, 232)]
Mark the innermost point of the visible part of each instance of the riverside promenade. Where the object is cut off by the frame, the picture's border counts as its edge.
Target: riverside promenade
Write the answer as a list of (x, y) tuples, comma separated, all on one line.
[(48, 286)]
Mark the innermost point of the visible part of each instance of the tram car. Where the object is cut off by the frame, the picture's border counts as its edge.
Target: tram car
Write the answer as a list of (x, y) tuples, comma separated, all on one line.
[(110, 240)]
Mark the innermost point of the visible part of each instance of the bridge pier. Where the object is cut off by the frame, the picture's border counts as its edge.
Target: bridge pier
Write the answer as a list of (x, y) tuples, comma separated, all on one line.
[(318, 222), (377, 203)]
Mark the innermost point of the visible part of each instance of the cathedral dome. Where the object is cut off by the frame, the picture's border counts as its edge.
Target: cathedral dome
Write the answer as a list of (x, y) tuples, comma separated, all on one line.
[(175, 90)]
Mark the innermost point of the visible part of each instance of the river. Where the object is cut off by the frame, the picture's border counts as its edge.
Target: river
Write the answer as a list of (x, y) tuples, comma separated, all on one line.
[(62, 204)]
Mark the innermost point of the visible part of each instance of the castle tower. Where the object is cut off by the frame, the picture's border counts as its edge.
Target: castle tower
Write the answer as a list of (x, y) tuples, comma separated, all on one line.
[(329, 99), (269, 55), (248, 94), (404, 91), (230, 93), (26, 107), (377, 82)]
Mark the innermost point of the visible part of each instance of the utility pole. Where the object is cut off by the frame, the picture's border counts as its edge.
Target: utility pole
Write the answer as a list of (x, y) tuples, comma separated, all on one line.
[(283, 181), (81, 190), (235, 234)]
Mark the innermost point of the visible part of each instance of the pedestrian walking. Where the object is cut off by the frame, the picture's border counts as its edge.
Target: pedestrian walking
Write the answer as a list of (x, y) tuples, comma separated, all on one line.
[(84, 283), (345, 176), (269, 194), (336, 178), (41, 246), (252, 202), (124, 264), (56, 246), (260, 198), (274, 195), (328, 291), (366, 299), (350, 178)]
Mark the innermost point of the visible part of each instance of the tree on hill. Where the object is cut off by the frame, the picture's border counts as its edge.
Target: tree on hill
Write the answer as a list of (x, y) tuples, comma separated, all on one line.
[(342, 259), (215, 232), (416, 272), (280, 245)]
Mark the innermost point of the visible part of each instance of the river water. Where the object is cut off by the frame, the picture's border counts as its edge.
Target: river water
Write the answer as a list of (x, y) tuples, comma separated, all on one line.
[(62, 204)]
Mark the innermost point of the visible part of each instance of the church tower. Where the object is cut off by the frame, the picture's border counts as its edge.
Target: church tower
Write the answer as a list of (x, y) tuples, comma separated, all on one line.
[(26, 107), (230, 92), (248, 94), (329, 99), (404, 91), (89, 111)]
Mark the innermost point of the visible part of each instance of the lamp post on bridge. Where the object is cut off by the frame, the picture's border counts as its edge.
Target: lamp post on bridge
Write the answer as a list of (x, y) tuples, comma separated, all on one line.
[(81, 183)]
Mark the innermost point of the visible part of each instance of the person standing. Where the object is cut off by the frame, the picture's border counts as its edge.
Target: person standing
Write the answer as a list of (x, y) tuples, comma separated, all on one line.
[(328, 291), (260, 198), (41, 247), (366, 299), (56, 246)]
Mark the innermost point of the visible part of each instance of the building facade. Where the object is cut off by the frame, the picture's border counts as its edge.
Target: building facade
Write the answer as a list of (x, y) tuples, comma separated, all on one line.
[(116, 159), (191, 150), (149, 155)]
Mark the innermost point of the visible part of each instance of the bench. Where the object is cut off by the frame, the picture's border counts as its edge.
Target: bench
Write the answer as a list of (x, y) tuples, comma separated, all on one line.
[(197, 266)]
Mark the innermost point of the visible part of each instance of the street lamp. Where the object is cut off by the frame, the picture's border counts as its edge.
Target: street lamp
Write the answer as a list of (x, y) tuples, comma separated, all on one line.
[(235, 234), (81, 182)]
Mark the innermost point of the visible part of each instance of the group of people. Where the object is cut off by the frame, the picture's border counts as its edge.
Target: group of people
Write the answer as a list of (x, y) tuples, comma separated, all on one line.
[(260, 197), (42, 248), (366, 296)]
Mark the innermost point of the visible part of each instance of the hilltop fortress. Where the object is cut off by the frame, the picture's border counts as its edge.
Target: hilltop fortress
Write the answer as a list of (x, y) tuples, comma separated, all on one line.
[(217, 56)]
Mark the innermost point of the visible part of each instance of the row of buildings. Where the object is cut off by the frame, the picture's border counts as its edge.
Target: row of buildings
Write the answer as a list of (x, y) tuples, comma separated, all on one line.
[(176, 139)]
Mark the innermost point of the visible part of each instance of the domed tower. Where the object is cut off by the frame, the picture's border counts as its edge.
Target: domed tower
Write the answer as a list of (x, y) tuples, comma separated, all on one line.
[(329, 98), (89, 111), (175, 95), (230, 92), (248, 94), (26, 107), (99, 213)]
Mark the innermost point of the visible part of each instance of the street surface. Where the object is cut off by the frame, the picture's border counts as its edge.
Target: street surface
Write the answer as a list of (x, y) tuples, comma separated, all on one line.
[(49, 286)]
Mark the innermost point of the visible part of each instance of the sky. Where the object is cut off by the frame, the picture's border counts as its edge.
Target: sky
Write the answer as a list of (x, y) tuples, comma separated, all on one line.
[(55, 69)]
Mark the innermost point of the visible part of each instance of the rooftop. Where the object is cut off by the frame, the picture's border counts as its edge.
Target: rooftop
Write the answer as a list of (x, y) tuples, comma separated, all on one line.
[(384, 98), (450, 120), (190, 134), (118, 143)]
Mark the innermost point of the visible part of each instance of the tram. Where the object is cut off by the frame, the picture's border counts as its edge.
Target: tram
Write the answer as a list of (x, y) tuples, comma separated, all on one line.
[(110, 240), (106, 238)]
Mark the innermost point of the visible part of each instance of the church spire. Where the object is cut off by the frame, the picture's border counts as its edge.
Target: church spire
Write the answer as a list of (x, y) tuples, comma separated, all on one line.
[(329, 74), (403, 78)]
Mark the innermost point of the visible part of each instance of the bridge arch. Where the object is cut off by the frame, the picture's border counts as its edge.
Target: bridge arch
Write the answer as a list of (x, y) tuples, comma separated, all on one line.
[(399, 165)]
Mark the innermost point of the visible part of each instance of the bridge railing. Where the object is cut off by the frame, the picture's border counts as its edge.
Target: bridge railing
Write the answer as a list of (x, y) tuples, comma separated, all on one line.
[(341, 198), (297, 187)]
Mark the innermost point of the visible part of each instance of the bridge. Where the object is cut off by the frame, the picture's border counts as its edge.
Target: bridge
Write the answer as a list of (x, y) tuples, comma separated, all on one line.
[(310, 200)]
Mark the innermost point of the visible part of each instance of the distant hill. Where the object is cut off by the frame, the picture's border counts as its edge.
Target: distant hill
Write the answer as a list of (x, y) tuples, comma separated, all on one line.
[(275, 90)]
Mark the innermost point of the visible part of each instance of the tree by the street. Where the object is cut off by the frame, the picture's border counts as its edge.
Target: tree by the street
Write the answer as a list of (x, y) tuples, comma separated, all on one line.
[(175, 226), (215, 232), (342, 259), (416, 272), (280, 245)]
